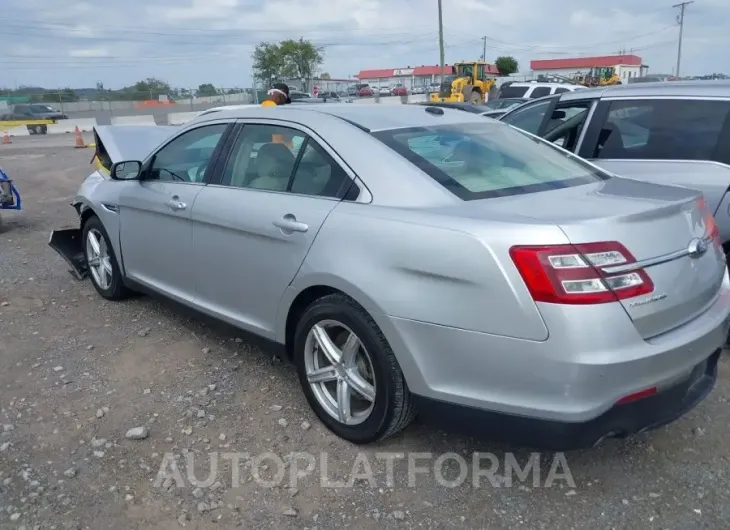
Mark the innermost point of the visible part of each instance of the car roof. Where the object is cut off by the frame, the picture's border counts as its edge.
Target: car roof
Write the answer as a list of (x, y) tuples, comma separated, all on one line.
[(367, 117), (695, 88)]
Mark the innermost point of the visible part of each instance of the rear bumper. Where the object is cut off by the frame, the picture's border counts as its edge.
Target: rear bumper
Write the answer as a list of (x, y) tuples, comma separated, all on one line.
[(617, 422), (68, 245)]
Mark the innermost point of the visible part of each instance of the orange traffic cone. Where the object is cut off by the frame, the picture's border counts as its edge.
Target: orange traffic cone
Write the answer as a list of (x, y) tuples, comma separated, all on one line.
[(6, 138), (79, 139)]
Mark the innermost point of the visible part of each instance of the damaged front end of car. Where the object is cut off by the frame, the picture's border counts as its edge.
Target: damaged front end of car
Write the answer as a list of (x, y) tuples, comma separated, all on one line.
[(114, 143)]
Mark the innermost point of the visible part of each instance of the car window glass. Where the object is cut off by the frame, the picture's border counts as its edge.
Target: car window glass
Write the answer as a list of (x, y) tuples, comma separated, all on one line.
[(318, 174), (263, 157), (513, 91), (663, 130), (574, 118), (560, 90), (540, 91), (476, 161), (187, 157), (528, 118)]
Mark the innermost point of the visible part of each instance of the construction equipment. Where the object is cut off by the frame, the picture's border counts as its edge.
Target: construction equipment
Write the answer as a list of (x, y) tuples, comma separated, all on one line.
[(603, 76), (465, 83)]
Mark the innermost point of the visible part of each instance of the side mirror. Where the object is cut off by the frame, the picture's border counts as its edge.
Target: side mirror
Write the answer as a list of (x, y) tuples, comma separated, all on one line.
[(129, 170), (558, 115)]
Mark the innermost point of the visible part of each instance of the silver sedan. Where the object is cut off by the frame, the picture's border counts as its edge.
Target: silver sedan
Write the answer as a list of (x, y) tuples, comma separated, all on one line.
[(415, 259)]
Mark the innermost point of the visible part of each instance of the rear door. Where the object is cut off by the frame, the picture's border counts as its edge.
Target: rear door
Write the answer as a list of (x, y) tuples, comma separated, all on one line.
[(155, 227), (682, 142), (253, 226)]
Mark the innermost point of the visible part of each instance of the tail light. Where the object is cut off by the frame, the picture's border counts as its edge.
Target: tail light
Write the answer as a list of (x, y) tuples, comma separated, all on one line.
[(713, 231), (571, 274)]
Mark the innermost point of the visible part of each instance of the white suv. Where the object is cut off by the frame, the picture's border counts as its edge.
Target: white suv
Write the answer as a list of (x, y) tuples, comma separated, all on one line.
[(533, 90)]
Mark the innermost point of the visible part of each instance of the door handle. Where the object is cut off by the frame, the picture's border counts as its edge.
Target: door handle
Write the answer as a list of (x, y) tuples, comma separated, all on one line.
[(289, 224), (175, 204)]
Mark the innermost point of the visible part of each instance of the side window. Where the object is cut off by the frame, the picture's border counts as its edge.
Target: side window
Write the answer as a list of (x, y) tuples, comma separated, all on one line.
[(560, 90), (570, 118), (318, 174), (540, 91), (528, 118), (273, 158), (663, 129), (187, 157)]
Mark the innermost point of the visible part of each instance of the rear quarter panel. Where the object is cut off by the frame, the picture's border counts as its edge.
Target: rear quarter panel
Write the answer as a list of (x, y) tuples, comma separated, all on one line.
[(711, 178)]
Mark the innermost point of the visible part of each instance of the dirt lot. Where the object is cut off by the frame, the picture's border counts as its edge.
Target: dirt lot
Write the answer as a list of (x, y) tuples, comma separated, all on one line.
[(79, 372)]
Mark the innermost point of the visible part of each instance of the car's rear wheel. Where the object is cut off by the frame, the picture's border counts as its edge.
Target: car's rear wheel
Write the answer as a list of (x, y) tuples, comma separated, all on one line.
[(103, 267), (349, 373)]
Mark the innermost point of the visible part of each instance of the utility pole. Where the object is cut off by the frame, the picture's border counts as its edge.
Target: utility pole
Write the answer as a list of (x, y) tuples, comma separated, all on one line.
[(680, 21), (484, 53), (441, 43)]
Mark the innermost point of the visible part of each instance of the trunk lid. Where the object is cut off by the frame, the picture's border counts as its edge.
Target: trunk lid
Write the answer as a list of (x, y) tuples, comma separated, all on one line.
[(657, 224)]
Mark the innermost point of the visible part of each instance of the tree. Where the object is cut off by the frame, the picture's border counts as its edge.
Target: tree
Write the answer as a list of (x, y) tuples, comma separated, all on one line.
[(268, 63), (301, 58), (325, 75), (206, 89), (506, 65)]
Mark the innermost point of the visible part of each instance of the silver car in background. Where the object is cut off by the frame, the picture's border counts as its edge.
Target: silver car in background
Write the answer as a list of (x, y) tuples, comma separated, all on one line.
[(416, 259)]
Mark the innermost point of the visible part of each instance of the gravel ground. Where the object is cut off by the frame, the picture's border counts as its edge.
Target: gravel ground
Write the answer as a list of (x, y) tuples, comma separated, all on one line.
[(78, 373)]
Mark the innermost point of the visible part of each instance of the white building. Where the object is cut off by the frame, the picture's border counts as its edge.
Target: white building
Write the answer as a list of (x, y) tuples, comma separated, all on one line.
[(626, 66)]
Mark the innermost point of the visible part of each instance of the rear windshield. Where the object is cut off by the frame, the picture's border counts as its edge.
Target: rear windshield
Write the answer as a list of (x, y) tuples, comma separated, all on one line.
[(513, 91), (482, 160)]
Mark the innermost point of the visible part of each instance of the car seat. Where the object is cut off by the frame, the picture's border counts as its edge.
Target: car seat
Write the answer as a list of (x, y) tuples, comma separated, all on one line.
[(610, 142), (274, 164)]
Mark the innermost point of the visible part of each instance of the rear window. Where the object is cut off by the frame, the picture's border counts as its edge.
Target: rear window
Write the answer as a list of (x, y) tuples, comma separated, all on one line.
[(482, 160), (514, 91)]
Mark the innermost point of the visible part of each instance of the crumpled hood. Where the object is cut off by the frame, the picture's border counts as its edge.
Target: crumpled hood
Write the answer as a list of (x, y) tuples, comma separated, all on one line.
[(119, 143)]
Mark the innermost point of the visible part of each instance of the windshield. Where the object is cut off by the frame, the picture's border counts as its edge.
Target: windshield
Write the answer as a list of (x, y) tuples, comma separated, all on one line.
[(482, 160)]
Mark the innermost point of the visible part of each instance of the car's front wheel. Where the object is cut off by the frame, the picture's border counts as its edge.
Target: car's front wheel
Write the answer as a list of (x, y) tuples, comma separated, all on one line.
[(348, 372), (101, 261)]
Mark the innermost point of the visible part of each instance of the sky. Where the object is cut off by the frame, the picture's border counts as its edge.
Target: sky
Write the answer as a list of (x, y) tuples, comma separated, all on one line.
[(74, 43)]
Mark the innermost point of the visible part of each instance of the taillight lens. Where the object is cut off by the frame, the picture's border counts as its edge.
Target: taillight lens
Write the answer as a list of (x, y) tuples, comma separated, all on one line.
[(713, 230), (571, 274)]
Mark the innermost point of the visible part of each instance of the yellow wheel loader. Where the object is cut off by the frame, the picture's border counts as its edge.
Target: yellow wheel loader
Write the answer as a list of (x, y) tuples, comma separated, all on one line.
[(464, 83)]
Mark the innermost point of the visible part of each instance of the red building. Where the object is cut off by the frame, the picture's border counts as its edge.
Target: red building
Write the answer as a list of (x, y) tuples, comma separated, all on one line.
[(409, 76), (627, 66)]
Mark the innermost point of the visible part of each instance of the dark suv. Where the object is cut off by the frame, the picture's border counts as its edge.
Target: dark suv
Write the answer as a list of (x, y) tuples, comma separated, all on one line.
[(38, 111)]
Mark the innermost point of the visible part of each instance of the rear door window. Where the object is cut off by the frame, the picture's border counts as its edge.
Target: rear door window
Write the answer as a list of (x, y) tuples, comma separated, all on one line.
[(665, 129), (539, 92), (513, 91)]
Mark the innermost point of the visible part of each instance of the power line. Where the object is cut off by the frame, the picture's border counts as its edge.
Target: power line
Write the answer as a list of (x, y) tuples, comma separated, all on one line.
[(680, 21)]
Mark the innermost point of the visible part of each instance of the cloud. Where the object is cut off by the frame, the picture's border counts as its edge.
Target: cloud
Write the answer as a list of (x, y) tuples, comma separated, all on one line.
[(189, 42)]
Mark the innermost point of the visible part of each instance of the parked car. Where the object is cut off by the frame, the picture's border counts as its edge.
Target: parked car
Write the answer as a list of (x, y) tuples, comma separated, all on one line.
[(499, 281), (383, 91), (534, 90), (670, 133), (296, 95), (37, 111), (419, 90), (365, 91), (399, 90), (329, 95), (505, 103)]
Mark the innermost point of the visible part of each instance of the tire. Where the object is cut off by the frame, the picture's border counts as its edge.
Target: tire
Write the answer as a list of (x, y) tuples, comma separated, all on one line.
[(392, 409), (114, 289)]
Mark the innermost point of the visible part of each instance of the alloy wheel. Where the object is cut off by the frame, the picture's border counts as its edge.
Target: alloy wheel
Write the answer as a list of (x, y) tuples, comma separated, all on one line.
[(340, 372), (99, 259)]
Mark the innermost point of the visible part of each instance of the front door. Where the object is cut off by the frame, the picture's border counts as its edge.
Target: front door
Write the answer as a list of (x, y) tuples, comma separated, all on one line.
[(252, 231), (155, 226)]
